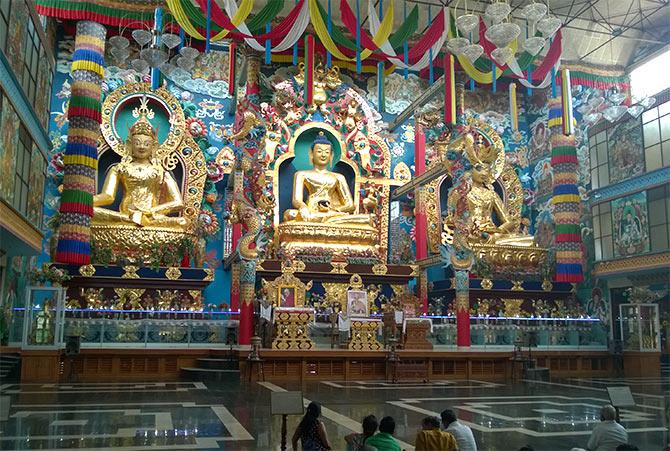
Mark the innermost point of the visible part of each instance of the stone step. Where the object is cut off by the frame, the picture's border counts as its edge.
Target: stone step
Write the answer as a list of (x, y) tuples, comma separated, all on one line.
[(219, 363), (199, 374)]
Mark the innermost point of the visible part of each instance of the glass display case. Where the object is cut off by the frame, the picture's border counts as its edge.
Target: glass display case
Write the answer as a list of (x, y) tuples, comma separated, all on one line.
[(640, 327), (43, 317)]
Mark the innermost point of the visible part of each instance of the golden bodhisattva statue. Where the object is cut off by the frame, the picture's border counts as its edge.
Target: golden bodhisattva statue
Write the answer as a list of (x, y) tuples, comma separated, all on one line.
[(328, 197), (483, 202), (149, 192)]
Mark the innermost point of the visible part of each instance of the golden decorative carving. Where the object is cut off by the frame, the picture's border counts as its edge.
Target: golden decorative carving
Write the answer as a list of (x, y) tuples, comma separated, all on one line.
[(339, 267), (173, 273), (87, 270), (402, 173), (336, 293), (364, 336), (510, 256), (209, 274), (512, 307), (630, 264), (291, 330), (129, 295), (547, 285), (399, 289), (380, 269), (291, 266), (130, 272), (430, 195), (136, 244), (517, 285), (277, 294), (356, 282), (323, 79), (486, 284), (415, 270)]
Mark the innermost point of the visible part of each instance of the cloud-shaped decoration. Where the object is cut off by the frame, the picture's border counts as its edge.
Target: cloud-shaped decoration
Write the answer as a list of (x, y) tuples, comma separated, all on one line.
[(399, 92), (183, 79)]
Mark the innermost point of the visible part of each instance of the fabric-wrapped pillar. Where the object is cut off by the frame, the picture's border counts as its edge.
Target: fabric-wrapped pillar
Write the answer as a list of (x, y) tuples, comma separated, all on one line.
[(81, 152), (565, 199), (421, 227)]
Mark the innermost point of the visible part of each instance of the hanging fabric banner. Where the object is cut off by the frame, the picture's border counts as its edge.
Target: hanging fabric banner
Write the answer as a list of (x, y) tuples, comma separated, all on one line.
[(232, 61), (309, 69), (449, 90), (566, 102), (177, 10)]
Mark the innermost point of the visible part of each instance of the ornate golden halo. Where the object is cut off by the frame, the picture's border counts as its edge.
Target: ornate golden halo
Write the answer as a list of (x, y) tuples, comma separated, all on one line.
[(169, 103)]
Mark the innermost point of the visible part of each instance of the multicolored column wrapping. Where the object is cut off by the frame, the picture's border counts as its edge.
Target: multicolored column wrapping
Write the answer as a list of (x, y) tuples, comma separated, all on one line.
[(565, 199), (81, 152)]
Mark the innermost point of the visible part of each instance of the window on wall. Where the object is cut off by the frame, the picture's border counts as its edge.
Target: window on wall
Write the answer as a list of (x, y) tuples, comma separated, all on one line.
[(602, 231), (599, 162), (4, 23), (659, 218), (32, 49), (656, 129), (22, 176)]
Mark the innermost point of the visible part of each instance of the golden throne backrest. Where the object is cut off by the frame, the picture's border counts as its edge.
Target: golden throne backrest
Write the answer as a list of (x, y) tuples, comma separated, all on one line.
[(178, 147), (274, 173)]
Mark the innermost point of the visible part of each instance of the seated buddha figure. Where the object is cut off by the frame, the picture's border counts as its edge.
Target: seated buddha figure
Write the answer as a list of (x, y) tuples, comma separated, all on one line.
[(328, 197), (483, 202), (149, 192)]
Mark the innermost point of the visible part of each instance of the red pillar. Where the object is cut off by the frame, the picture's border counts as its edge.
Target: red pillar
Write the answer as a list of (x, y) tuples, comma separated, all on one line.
[(462, 303), (421, 226), (246, 313)]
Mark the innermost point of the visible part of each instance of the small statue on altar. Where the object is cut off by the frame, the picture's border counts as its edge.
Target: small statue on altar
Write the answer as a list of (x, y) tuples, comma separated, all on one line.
[(483, 201), (44, 326), (149, 192), (328, 197)]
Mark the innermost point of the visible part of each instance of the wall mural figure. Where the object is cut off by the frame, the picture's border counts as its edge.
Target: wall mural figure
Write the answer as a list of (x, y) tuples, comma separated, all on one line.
[(629, 221)]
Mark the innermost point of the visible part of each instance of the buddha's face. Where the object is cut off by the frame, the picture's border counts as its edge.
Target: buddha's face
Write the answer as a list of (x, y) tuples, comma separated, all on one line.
[(321, 154), (481, 173), (142, 146)]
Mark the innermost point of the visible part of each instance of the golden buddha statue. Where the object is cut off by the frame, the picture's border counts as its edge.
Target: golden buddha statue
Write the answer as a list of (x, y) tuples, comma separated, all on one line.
[(149, 192), (325, 217), (483, 201), (328, 197)]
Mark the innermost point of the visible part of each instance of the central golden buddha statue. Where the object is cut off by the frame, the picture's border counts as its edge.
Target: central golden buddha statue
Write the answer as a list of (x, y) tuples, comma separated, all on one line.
[(324, 219), (328, 197), (149, 192)]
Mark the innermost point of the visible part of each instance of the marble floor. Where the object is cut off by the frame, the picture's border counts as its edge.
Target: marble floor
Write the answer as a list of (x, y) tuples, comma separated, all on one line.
[(555, 415)]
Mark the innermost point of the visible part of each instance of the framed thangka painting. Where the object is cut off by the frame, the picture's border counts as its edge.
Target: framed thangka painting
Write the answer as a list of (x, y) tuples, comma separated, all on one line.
[(626, 152), (630, 225)]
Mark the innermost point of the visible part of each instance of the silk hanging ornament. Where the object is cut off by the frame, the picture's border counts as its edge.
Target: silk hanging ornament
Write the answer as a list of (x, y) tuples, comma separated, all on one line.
[(232, 61), (566, 102), (449, 90), (309, 69)]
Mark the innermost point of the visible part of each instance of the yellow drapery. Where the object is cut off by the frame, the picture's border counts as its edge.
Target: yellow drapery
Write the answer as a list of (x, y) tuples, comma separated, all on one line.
[(322, 32)]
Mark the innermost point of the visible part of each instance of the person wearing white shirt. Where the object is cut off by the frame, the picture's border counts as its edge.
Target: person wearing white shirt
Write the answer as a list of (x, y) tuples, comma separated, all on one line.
[(608, 434), (461, 432)]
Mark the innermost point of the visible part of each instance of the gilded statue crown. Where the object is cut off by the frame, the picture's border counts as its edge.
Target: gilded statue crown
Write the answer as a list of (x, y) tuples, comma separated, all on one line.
[(142, 126), (485, 153)]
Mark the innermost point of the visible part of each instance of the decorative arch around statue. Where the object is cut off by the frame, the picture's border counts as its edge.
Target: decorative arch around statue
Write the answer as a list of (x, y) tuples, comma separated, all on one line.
[(297, 158), (177, 153)]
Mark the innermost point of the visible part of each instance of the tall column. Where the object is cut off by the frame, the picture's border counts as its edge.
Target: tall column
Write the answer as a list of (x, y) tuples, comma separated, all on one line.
[(565, 199), (238, 178), (421, 225), (81, 151), (248, 264)]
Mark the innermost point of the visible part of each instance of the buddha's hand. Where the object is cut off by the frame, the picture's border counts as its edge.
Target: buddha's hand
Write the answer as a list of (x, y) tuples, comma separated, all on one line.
[(324, 206)]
